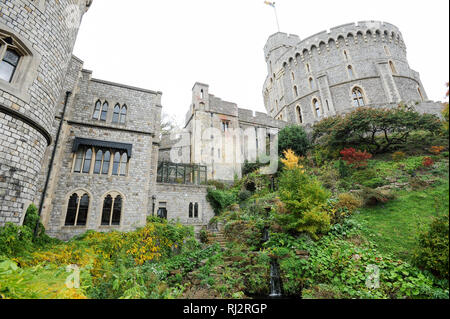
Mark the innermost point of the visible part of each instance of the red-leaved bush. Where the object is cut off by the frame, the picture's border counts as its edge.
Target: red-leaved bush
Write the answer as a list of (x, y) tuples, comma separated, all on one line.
[(428, 162), (357, 159)]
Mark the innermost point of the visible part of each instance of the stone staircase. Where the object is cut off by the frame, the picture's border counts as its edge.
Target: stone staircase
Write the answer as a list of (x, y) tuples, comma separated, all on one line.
[(217, 235)]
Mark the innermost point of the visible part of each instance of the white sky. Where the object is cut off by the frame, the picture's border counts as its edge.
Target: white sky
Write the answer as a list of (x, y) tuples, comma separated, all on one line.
[(168, 45)]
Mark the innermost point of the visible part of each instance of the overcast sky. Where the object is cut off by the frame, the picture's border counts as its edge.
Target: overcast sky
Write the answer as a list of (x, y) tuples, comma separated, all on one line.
[(168, 45)]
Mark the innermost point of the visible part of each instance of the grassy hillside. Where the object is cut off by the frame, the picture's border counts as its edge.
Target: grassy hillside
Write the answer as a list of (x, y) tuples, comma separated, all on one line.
[(395, 226)]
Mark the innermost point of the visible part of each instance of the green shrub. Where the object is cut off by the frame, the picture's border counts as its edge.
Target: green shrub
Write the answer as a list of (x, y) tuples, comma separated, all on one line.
[(362, 176), (433, 251), (15, 240), (204, 236), (304, 199), (374, 182), (343, 169), (293, 137), (244, 195), (220, 199), (349, 201)]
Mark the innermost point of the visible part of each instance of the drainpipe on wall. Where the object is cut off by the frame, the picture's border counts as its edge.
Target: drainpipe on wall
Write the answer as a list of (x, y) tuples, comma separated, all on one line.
[(52, 160)]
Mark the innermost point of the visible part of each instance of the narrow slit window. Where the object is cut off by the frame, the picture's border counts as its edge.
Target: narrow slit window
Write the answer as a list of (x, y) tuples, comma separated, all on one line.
[(420, 94), (351, 74), (191, 210), (392, 66), (299, 114), (311, 84)]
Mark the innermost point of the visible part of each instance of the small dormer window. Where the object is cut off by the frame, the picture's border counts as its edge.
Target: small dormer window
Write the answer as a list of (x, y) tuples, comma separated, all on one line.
[(9, 59)]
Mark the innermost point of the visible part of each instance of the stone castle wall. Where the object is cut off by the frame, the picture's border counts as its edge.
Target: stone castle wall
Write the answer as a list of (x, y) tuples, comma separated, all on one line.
[(27, 103), (224, 152), (176, 199), (141, 130), (318, 68)]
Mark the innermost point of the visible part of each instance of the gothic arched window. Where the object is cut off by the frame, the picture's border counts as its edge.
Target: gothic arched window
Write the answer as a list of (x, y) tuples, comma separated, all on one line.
[(123, 115), (104, 111), (117, 211), (196, 210), (311, 84), (116, 114), (317, 108), (77, 210), (358, 97), (191, 210), (299, 114), (97, 110), (112, 210)]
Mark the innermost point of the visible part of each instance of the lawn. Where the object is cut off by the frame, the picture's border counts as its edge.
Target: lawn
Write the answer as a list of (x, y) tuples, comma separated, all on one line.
[(394, 227)]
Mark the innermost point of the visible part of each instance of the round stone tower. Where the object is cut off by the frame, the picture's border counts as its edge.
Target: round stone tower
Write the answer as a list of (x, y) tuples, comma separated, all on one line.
[(36, 43), (329, 73)]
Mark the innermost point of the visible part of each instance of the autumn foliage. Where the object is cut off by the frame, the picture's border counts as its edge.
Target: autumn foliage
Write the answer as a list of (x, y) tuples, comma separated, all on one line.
[(357, 159), (428, 162)]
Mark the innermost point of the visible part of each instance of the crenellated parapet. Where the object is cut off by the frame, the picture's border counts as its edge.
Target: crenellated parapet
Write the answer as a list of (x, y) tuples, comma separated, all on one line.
[(339, 37), (335, 70)]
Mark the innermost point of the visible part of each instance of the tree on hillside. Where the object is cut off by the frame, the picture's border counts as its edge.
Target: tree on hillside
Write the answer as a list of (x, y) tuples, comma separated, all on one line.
[(293, 137), (378, 130)]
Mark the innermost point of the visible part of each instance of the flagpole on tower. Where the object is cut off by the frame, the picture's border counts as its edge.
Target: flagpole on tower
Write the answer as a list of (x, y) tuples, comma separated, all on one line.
[(272, 4), (276, 16)]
